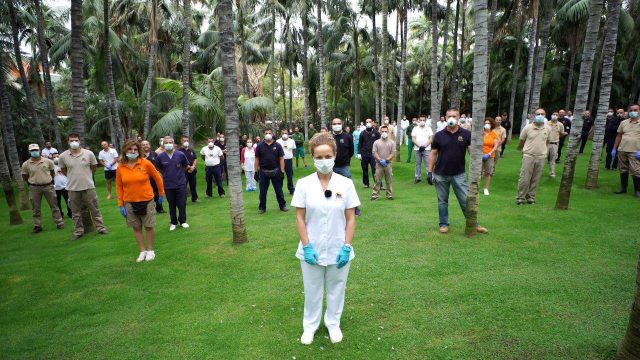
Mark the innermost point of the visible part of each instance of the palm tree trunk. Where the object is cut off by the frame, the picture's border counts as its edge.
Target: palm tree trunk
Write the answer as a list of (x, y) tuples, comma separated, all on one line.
[(305, 71), (421, 93), (153, 50), (435, 106), (609, 48), (77, 68), (582, 93), (243, 55), (23, 75), (376, 72), (572, 65), (392, 74), (532, 51), (356, 80), (323, 91), (455, 102), (48, 88), (186, 70), (490, 33), (383, 61), (542, 54), (403, 60), (5, 174), (283, 91), (290, 66), (515, 76), (480, 79), (113, 101), (630, 346), (596, 75), (445, 36), (232, 122), (453, 84)]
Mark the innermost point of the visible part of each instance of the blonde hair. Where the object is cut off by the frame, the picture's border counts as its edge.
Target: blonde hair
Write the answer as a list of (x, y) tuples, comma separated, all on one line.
[(322, 139), (127, 144)]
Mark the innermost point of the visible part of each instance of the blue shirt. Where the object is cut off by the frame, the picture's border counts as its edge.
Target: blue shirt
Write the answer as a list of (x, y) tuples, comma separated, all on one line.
[(172, 169), (189, 153)]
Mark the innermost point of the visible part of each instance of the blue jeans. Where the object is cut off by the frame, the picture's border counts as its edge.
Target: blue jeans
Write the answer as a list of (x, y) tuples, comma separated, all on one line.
[(422, 157), (212, 172), (343, 170), (276, 180), (459, 184)]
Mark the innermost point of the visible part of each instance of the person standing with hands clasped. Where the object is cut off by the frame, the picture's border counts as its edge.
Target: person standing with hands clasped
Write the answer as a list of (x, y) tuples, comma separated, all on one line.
[(270, 169), (627, 149), (534, 142), (135, 195), (172, 165), (490, 144), (325, 205), (421, 137), (383, 151)]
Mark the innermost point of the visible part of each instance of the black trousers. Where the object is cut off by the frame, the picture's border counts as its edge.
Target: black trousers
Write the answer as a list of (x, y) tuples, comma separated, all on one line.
[(276, 180), (177, 198), (610, 161), (366, 162), (583, 142), (288, 170), (210, 173), (191, 180), (63, 194)]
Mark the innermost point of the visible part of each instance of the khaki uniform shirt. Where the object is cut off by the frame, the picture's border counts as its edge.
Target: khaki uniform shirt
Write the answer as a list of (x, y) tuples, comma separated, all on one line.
[(556, 130), (502, 135), (384, 148), (630, 131), (79, 174), (535, 140), (39, 172)]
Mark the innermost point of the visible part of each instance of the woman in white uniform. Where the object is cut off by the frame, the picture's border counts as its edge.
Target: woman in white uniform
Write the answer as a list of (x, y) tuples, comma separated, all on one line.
[(248, 159), (325, 205)]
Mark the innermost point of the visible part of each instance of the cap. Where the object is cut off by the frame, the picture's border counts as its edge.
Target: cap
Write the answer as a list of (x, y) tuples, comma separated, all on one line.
[(34, 147)]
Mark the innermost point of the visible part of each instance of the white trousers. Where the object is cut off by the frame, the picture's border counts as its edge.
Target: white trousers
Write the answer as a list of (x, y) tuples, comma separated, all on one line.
[(251, 182), (316, 278)]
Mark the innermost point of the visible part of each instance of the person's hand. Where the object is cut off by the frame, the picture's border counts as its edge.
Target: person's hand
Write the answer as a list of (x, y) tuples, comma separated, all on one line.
[(281, 174), (359, 157), (430, 178), (422, 148), (614, 152), (383, 162), (637, 155), (160, 200), (486, 156), (123, 211), (256, 176), (310, 255), (343, 256)]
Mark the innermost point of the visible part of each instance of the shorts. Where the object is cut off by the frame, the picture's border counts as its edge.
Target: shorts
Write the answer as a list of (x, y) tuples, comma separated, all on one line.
[(138, 221), (110, 174), (488, 166), (299, 152)]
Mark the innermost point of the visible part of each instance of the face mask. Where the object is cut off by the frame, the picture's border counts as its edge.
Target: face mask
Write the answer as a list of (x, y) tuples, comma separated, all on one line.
[(35, 154), (422, 123), (249, 145), (268, 137), (285, 136), (132, 156), (539, 119), (610, 113), (368, 125), (324, 166), (168, 147), (221, 140), (463, 120), (336, 128), (452, 122), (386, 122), (487, 126), (74, 145), (384, 135), (210, 144), (55, 161), (633, 114), (185, 144), (554, 117)]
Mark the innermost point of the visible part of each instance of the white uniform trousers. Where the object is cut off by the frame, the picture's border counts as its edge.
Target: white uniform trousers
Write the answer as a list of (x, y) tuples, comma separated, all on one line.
[(316, 278)]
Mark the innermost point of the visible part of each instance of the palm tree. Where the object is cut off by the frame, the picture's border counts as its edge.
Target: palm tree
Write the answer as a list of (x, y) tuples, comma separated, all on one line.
[(403, 61), (5, 175), (582, 94), (305, 8), (542, 54), (115, 116), (480, 56), (445, 38), (153, 49), (323, 91), (435, 106), (376, 70), (515, 76), (532, 50), (225, 18), (384, 68), (77, 68), (186, 69), (606, 78), (453, 84)]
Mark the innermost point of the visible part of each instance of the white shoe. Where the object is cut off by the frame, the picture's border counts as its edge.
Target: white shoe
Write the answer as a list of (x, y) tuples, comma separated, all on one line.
[(150, 255), (142, 256), (172, 227), (185, 225), (486, 192), (335, 335), (307, 337)]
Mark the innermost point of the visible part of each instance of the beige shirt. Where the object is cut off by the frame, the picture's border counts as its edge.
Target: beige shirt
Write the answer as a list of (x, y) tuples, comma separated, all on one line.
[(535, 140), (39, 172), (557, 129), (502, 134), (384, 148), (79, 174), (630, 131)]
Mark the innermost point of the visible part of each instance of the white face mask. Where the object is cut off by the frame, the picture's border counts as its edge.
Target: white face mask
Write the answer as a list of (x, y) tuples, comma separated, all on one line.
[(324, 166), (210, 144), (55, 161), (422, 123), (168, 147), (336, 128), (610, 113), (384, 135), (487, 126), (268, 137), (74, 144), (185, 144), (452, 121), (249, 145), (368, 125), (285, 137)]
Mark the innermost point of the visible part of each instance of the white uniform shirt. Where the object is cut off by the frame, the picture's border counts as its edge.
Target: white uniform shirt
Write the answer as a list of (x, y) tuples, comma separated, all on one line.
[(404, 124), (288, 146), (422, 135), (59, 180), (325, 219), (249, 159), (211, 155), (440, 125), (48, 152), (108, 157)]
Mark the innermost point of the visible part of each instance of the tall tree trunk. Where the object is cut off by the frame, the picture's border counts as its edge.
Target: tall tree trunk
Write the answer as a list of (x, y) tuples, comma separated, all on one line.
[(608, 57), (421, 93), (453, 84), (48, 88), (5, 174), (542, 54), (305, 70), (323, 91), (383, 59), (582, 93), (515, 76), (283, 95), (112, 132), (490, 33), (596, 75), (356, 80), (435, 105), (392, 74), (445, 36), (113, 101), (403, 60), (153, 50), (532, 51), (572, 65), (455, 102), (243, 54), (23, 75), (480, 79), (630, 346), (186, 70), (290, 66), (376, 72), (232, 122)]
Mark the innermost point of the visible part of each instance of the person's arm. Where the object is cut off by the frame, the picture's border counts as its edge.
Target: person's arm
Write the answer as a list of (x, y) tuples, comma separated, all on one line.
[(156, 178), (282, 164), (119, 188), (361, 141), (393, 152), (242, 156), (93, 168), (374, 151), (257, 164), (115, 158), (52, 173), (301, 225), (351, 149), (194, 164), (521, 144), (618, 140), (92, 162), (25, 177), (433, 155), (350, 229), (496, 143), (184, 162)]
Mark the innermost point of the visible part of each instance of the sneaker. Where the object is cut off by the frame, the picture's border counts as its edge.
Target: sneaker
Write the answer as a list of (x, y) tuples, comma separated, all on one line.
[(365, 186), (482, 230), (552, 175), (335, 335), (531, 201), (142, 256), (222, 196), (284, 209), (261, 211), (103, 232), (185, 225), (486, 192), (519, 202), (307, 337), (172, 227), (417, 181), (150, 255), (161, 211), (444, 229), (374, 198), (390, 198)]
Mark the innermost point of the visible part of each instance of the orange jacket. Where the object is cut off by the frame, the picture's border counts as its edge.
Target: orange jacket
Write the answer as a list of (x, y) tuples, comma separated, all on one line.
[(134, 185)]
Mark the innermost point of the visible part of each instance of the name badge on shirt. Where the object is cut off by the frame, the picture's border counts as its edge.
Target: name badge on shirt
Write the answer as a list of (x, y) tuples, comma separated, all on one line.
[(460, 138), (339, 197)]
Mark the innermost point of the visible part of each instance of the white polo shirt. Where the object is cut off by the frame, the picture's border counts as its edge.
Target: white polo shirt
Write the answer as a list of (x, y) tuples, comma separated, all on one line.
[(325, 219), (59, 180), (288, 146), (422, 135), (108, 157), (211, 155), (48, 152), (440, 125)]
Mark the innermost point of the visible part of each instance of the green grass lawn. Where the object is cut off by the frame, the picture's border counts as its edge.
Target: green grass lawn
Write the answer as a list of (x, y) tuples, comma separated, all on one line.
[(543, 284)]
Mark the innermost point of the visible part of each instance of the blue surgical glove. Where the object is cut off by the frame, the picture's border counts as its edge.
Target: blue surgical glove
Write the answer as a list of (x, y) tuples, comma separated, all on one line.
[(310, 255), (638, 155), (343, 256), (123, 211), (383, 162), (160, 200), (486, 156), (614, 152)]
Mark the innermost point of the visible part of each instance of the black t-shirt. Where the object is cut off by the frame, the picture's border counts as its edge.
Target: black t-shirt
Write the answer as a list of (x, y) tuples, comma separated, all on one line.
[(586, 126), (269, 155), (344, 144), (452, 149), (189, 154), (567, 124)]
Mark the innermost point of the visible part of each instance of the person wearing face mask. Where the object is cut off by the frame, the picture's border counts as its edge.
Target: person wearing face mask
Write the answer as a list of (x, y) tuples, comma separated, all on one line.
[(220, 142), (325, 205), (344, 143), (151, 156), (421, 137), (390, 127), (270, 169), (557, 132), (298, 137), (534, 142), (135, 196), (404, 124), (173, 165), (212, 156), (192, 159), (38, 172), (365, 146), (490, 144), (60, 185), (48, 150), (566, 122), (610, 134), (383, 151), (502, 139), (408, 133), (627, 149), (288, 146), (79, 165), (441, 124), (465, 123), (160, 148), (356, 138), (248, 162), (506, 124), (587, 129), (108, 158)]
